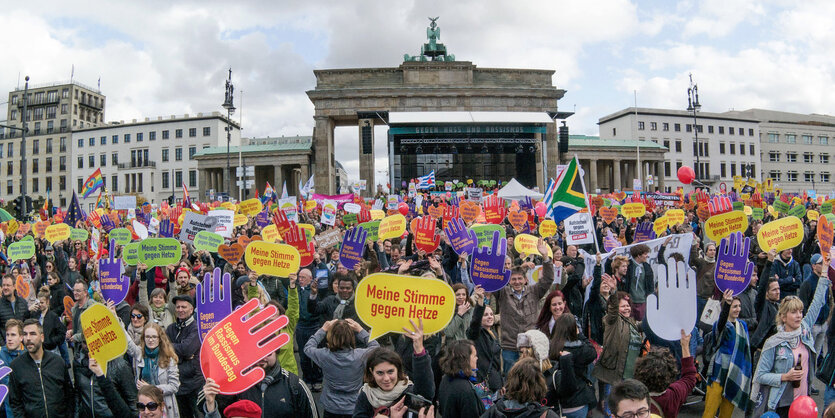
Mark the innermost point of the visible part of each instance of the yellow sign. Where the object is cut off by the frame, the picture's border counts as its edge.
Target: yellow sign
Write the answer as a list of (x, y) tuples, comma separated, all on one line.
[(633, 210), (526, 244), (660, 225), (57, 232), (386, 302), (270, 233), (105, 338), (722, 225), (13, 226), (738, 183), (392, 227), (309, 205), (229, 205), (251, 207), (377, 214), (812, 215), (239, 220), (747, 210), (308, 229), (781, 234), (769, 185), (272, 259), (674, 217), (547, 228)]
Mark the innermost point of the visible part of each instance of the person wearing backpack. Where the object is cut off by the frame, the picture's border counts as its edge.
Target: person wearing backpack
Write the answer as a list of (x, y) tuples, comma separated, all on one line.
[(572, 354)]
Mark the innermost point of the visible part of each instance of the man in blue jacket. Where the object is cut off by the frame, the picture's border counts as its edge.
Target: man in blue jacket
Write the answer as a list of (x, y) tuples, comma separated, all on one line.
[(788, 274)]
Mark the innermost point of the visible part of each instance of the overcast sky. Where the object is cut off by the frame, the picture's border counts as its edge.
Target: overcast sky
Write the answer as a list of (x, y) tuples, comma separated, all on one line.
[(162, 57)]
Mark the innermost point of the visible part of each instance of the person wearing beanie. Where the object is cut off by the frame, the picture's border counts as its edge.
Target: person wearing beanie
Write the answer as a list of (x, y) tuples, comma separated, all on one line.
[(534, 344), (243, 409)]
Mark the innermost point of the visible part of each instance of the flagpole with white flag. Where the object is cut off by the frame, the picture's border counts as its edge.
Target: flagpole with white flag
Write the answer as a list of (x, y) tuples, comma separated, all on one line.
[(588, 204)]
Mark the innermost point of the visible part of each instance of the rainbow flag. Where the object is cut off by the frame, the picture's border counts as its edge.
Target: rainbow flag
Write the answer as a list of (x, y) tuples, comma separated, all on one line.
[(93, 183)]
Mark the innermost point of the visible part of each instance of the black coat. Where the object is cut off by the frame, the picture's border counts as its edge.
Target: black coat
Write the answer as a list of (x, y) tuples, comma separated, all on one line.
[(92, 397), (594, 311), (489, 351), (326, 307), (424, 385), (56, 297), (458, 398), (530, 410), (186, 344), (54, 331), (19, 310), (283, 396), (581, 392), (32, 394), (573, 289)]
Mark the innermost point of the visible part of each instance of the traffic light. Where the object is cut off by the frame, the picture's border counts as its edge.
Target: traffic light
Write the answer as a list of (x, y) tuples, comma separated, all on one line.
[(19, 208), (29, 206)]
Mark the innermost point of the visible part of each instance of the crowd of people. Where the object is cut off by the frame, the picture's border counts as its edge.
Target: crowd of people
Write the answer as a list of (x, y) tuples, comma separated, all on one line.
[(568, 336)]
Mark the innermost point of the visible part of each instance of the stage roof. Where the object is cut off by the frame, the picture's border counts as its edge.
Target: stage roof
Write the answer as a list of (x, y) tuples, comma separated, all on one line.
[(468, 117)]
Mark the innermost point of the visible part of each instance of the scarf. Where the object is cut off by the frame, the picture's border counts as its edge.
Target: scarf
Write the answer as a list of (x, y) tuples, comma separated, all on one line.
[(135, 333), (340, 309), (158, 313), (253, 292), (792, 338), (734, 371), (379, 398), (150, 369)]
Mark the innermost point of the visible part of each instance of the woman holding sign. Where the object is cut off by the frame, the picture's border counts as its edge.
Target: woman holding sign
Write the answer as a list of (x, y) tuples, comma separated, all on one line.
[(786, 365), (386, 381), (155, 363), (157, 308), (486, 342)]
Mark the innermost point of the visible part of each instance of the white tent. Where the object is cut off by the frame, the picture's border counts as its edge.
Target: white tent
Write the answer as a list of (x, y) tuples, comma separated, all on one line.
[(514, 190)]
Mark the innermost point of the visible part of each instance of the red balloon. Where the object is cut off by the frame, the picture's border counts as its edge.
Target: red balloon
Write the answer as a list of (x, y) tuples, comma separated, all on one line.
[(686, 174), (803, 407), (403, 208)]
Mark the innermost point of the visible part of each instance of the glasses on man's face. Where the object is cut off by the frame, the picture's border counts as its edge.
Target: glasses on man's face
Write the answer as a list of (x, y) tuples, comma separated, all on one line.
[(641, 413), (151, 406)]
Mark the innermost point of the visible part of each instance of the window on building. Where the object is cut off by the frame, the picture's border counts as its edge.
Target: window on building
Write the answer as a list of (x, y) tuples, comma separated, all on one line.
[(91, 142), (165, 155), (114, 180), (10, 150), (36, 149), (178, 154), (614, 131), (773, 137), (91, 161), (666, 143), (139, 137), (139, 182), (741, 149), (732, 148), (665, 126), (688, 127), (721, 130), (152, 136), (207, 130), (791, 176), (677, 127), (36, 185), (774, 156), (10, 168), (791, 157), (80, 162), (165, 180), (192, 178), (62, 163), (824, 158), (733, 169), (750, 131), (824, 140), (80, 142), (653, 126), (9, 189), (165, 134), (191, 151), (178, 177), (35, 166), (103, 140), (710, 129), (192, 132), (807, 139), (721, 148), (49, 145), (825, 177), (178, 133), (127, 138), (114, 139), (722, 170), (667, 169), (808, 176), (48, 164), (103, 160), (678, 145), (791, 138), (730, 130), (774, 175), (751, 149)]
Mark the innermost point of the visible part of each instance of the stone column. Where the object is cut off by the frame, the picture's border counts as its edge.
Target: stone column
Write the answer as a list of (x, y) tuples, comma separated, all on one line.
[(659, 174), (538, 159), (202, 182), (366, 158), (304, 174), (592, 175), (552, 149), (323, 151), (278, 178), (616, 182)]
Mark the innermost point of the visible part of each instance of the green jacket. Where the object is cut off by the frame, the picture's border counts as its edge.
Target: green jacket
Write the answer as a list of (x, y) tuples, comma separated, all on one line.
[(285, 354)]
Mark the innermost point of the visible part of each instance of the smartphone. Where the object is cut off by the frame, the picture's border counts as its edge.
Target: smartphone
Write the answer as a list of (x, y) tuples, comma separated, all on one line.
[(415, 402)]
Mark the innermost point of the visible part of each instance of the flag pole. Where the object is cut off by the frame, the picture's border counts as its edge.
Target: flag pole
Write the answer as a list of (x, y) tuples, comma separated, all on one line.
[(588, 204)]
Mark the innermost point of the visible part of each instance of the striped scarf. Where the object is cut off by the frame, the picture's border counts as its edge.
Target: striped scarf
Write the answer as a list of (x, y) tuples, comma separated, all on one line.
[(732, 366)]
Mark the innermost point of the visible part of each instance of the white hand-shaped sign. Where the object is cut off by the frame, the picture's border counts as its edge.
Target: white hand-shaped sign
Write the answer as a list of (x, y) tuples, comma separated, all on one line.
[(674, 309)]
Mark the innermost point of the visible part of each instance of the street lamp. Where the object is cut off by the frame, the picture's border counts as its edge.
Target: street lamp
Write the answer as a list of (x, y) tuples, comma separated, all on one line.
[(23, 131), (694, 106), (228, 104)]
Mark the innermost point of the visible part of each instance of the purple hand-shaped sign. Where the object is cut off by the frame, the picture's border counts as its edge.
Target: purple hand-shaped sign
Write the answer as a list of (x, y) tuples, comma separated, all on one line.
[(643, 232), (733, 269), (262, 219), (214, 301), (610, 242), (487, 265), (107, 224), (4, 390), (114, 286), (462, 239), (353, 247), (166, 229)]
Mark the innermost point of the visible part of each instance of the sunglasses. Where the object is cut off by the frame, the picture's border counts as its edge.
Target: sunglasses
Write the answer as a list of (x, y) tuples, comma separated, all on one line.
[(151, 406), (136, 315)]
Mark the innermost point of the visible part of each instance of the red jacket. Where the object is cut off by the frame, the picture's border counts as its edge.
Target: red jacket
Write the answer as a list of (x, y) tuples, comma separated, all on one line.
[(674, 397)]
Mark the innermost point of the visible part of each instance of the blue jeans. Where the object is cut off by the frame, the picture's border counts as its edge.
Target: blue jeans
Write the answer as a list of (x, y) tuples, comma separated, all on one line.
[(509, 358), (828, 396), (580, 413)]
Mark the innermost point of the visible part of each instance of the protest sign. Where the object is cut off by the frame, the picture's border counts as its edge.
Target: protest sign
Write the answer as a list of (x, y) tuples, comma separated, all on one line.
[(213, 300), (392, 201), (231, 253), (139, 229), (262, 219), (608, 214), (270, 233), (353, 247), (781, 206), (349, 219), (517, 219), (610, 242), (826, 230), (737, 205), (547, 228), (223, 221), (122, 236), (105, 337), (798, 211), (469, 210), (40, 228), (23, 286), (154, 252), (78, 234), (724, 224), (659, 226), (21, 250), (114, 286), (386, 302), (288, 206), (487, 265), (272, 259), (462, 240), (674, 217), (826, 208), (194, 223), (130, 254), (674, 307), (484, 233), (68, 304), (812, 215), (377, 214), (371, 228), (250, 207), (125, 202), (206, 240), (238, 342), (392, 227), (633, 210), (733, 270), (579, 229), (352, 208), (57, 232), (308, 229), (781, 234), (526, 244), (425, 237), (757, 213), (239, 219), (306, 247), (328, 212), (329, 238), (435, 211)]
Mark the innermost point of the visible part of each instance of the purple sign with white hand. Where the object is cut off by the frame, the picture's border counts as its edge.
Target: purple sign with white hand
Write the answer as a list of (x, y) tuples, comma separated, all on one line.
[(487, 265), (262, 219), (214, 301), (610, 242), (4, 390), (644, 232), (107, 224), (353, 247), (462, 239), (114, 286), (733, 269)]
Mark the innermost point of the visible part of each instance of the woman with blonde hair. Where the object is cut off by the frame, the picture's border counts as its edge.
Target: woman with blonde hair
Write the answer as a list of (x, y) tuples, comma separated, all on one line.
[(151, 402), (155, 363), (786, 367)]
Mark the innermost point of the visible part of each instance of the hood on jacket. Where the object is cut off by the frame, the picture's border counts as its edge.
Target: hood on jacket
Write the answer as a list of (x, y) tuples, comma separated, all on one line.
[(513, 409)]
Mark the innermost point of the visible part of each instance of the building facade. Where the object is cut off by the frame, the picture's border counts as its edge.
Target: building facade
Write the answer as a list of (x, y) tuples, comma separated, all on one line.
[(53, 112), (728, 143), (612, 165), (796, 149), (151, 158)]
